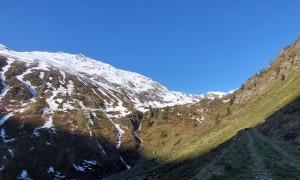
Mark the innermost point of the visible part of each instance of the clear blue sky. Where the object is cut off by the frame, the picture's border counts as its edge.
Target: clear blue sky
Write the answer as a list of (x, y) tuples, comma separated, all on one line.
[(192, 46)]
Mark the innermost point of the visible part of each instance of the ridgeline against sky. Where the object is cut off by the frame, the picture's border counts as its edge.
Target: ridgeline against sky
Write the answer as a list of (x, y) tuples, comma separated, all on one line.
[(192, 46)]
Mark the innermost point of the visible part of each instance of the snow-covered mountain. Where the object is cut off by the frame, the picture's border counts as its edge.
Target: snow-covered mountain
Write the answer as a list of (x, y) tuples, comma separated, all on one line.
[(111, 82)]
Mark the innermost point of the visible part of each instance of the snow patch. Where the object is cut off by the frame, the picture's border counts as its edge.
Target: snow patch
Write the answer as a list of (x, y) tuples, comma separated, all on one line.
[(5, 87), (226, 101), (200, 120), (57, 174), (64, 76), (49, 123), (91, 162), (120, 134), (4, 137), (118, 145), (36, 132), (48, 143), (2, 79), (54, 103), (42, 75), (127, 166), (50, 170), (85, 165), (100, 147), (24, 175), (11, 152), (78, 168)]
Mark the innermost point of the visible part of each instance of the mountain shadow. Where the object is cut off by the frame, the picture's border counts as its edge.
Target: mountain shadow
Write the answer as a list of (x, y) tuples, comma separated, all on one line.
[(27, 151), (268, 151)]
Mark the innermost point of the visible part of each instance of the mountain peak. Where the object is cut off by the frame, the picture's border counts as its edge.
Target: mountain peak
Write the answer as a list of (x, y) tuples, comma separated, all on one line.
[(4, 48)]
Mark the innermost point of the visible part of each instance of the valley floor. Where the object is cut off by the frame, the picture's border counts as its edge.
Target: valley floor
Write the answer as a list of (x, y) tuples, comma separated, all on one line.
[(248, 155), (251, 155)]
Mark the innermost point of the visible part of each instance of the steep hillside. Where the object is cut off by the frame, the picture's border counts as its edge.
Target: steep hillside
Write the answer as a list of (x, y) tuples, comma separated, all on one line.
[(177, 148), (284, 125)]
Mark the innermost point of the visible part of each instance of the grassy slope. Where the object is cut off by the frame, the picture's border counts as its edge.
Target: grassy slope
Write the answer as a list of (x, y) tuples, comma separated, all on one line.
[(276, 96), (271, 100)]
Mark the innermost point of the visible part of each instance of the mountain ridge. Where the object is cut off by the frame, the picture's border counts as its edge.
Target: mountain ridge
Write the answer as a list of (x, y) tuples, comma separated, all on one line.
[(111, 77)]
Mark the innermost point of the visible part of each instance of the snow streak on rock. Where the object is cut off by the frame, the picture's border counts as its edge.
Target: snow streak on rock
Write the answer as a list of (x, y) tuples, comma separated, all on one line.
[(120, 133), (2, 80), (118, 145), (27, 84), (127, 166), (5, 118)]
